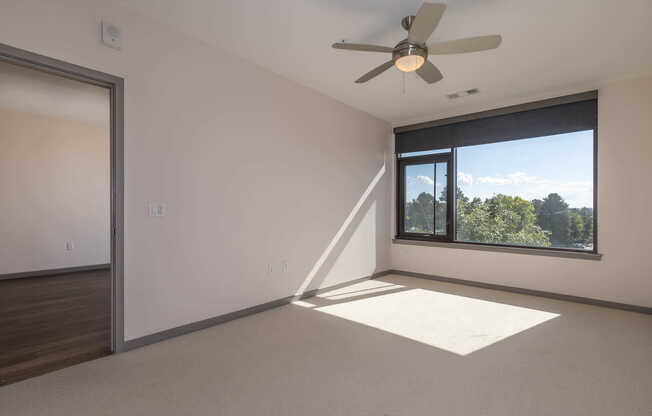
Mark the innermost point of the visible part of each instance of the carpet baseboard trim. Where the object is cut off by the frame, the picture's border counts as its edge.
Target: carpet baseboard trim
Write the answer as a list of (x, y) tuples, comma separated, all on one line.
[(52, 272), (531, 292), (217, 320)]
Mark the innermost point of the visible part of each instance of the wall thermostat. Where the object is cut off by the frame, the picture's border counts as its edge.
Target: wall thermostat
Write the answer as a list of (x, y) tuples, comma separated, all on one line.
[(111, 35)]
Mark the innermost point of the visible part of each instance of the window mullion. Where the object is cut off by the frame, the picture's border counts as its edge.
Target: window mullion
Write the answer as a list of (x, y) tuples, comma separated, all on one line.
[(452, 195), (434, 199)]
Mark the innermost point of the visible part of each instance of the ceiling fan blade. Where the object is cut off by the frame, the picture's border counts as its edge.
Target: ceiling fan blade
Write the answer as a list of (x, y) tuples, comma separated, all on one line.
[(362, 47), (429, 72), (476, 44), (425, 22), (375, 72)]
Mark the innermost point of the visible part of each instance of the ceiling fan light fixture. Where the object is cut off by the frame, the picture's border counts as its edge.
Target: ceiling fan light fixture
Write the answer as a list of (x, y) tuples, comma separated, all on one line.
[(408, 57), (409, 63)]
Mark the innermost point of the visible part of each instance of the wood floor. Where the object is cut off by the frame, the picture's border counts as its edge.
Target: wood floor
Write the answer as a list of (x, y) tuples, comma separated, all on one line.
[(51, 322)]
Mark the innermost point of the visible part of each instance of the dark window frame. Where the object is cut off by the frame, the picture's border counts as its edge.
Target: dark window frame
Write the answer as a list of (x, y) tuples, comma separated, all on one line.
[(401, 162), (435, 158)]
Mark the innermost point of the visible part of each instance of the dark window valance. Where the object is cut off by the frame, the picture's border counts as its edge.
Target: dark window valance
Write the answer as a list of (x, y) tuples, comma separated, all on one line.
[(561, 115)]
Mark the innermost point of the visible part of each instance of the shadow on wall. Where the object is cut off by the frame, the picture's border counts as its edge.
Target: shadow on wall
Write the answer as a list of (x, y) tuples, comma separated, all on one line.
[(354, 245)]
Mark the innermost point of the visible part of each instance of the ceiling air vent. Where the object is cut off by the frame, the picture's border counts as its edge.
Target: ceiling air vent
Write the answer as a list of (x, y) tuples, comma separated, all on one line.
[(463, 93)]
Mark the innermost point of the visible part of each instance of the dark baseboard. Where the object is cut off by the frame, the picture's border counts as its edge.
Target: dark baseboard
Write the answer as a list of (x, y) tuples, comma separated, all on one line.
[(52, 272), (210, 322), (207, 323), (532, 292)]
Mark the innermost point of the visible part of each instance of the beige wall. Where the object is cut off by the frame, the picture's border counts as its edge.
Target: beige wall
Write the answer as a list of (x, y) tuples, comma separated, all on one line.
[(254, 169), (55, 188), (624, 232)]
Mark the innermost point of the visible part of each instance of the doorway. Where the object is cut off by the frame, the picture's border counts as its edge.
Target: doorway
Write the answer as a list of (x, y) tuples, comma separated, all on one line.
[(61, 181)]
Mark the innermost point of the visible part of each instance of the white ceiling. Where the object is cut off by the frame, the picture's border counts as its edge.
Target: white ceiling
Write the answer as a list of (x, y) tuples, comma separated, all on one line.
[(549, 46), (37, 92)]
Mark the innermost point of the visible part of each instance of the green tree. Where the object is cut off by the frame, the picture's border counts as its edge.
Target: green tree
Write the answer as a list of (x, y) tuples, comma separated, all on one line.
[(587, 220), (441, 208), (501, 219), (463, 201), (588, 233), (576, 224), (516, 212), (419, 214), (552, 215)]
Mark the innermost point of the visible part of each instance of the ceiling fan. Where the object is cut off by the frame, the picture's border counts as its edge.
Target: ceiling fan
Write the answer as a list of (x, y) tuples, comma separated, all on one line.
[(411, 54)]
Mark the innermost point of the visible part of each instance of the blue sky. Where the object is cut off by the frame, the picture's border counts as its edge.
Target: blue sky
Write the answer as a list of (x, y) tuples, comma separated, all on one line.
[(530, 168)]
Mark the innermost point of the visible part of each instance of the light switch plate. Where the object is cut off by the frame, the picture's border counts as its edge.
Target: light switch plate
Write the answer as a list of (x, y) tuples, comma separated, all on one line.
[(111, 35), (156, 209)]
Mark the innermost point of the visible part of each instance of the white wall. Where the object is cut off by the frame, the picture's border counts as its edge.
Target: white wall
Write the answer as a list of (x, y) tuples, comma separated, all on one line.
[(254, 169), (624, 199), (55, 188)]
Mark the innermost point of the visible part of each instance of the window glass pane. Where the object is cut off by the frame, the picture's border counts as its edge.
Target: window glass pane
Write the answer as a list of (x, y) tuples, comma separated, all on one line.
[(441, 207), (533, 192), (419, 198), (425, 152)]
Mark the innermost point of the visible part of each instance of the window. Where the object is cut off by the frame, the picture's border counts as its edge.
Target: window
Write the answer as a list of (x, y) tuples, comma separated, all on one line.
[(425, 206), (533, 192), (523, 179)]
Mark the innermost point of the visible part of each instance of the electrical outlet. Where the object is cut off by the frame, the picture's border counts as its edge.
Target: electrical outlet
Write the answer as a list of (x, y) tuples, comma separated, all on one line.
[(69, 246)]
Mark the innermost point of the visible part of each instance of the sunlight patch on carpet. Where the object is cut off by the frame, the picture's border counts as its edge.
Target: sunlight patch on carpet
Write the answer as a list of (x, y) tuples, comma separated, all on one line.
[(457, 324), (367, 287)]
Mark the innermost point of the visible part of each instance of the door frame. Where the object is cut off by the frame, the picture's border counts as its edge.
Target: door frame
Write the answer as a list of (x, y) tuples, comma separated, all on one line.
[(115, 85)]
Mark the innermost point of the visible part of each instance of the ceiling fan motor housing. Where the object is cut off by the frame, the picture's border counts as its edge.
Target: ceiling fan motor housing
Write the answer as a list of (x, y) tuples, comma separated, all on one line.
[(405, 48)]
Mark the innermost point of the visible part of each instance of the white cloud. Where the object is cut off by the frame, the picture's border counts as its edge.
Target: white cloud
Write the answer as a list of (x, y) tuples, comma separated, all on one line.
[(522, 177), (516, 178), (494, 180), (465, 178), (576, 193), (425, 180)]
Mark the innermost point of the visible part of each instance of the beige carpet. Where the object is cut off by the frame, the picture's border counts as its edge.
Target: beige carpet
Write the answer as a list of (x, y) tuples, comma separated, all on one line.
[(393, 346)]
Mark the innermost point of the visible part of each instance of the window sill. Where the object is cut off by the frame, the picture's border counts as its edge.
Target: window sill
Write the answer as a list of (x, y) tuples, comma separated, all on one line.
[(570, 254)]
